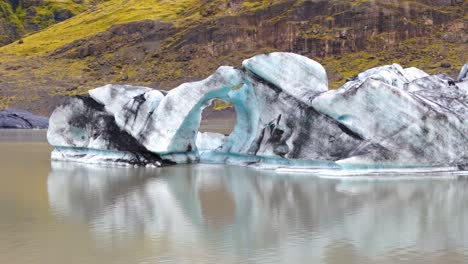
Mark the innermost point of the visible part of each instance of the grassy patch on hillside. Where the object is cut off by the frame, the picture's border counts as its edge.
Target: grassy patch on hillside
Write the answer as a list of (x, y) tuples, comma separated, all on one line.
[(101, 18), (30, 16)]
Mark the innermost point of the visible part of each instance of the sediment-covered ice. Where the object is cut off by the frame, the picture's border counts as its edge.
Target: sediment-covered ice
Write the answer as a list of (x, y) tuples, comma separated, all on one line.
[(397, 126), (387, 116), (136, 113), (289, 128), (81, 130), (442, 93), (114, 96)]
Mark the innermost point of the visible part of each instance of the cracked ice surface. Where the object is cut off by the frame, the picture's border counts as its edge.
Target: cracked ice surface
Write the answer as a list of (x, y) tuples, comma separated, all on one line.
[(133, 116), (399, 130)]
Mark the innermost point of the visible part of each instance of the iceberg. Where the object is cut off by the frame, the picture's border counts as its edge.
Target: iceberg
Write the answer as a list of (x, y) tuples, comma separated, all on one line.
[(20, 119), (385, 117), (81, 130), (399, 130)]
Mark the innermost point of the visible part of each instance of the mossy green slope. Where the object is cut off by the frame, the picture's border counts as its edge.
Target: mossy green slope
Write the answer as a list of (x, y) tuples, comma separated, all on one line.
[(101, 18), (20, 17)]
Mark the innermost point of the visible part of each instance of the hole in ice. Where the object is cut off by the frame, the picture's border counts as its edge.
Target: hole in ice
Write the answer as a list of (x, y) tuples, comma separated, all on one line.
[(218, 122), (219, 117)]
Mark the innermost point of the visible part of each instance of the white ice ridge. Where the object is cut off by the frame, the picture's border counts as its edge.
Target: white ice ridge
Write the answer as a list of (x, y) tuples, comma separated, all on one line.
[(384, 117), (296, 75), (114, 97)]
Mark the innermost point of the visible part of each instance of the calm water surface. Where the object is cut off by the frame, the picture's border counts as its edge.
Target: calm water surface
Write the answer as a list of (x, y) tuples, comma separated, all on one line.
[(70, 213)]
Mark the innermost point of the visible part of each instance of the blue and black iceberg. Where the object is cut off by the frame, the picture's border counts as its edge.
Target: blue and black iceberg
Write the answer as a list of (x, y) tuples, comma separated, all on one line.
[(385, 117)]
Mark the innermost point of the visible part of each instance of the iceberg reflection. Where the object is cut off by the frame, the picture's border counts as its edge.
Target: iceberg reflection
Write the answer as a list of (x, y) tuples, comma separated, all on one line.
[(238, 211)]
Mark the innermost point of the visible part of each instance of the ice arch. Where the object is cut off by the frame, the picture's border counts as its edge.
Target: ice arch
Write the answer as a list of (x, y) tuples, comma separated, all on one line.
[(248, 118), (173, 127)]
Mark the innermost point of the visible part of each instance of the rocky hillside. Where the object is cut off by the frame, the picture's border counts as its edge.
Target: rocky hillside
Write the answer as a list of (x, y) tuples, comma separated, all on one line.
[(164, 43)]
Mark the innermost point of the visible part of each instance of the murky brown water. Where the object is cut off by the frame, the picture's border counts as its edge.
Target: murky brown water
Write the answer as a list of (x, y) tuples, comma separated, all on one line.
[(70, 213)]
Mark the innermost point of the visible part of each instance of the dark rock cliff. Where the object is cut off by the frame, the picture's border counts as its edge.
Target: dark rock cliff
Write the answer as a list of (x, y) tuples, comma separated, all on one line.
[(406, 31)]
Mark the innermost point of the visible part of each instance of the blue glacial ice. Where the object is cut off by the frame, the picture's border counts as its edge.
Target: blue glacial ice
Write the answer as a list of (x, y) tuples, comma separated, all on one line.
[(385, 117)]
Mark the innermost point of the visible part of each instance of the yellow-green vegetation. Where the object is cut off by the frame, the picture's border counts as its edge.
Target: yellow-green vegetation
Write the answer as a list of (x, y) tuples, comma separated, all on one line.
[(21, 17), (258, 4), (102, 17), (5, 101), (350, 65), (8, 17), (221, 105)]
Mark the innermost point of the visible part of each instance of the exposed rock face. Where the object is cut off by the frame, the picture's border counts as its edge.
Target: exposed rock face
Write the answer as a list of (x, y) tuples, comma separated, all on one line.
[(385, 117), (14, 118), (133, 35)]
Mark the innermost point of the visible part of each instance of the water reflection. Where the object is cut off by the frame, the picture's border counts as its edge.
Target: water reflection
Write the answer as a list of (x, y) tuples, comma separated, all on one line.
[(258, 216)]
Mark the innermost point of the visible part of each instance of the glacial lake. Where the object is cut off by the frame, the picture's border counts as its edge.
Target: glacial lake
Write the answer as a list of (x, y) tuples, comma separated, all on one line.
[(52, 212)]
